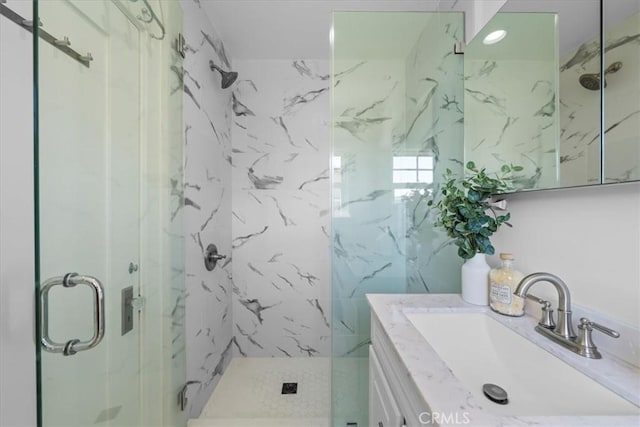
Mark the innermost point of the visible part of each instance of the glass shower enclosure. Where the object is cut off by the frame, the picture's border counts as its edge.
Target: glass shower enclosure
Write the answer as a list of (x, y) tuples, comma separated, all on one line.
[(109, 256), (397, 125)]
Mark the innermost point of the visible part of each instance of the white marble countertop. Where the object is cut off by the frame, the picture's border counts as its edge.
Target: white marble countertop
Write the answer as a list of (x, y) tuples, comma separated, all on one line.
[(444, 393)]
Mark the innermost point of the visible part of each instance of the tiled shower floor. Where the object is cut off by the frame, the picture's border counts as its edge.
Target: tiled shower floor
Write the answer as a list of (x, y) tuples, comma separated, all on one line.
[(249, 394)]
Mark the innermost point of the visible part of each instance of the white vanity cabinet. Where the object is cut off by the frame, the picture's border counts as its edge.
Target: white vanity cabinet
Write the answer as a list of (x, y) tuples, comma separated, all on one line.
[(393, 398), (383, 408)]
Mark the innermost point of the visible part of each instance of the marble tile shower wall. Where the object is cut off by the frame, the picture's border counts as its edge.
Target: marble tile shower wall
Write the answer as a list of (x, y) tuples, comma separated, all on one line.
[(207, 207), (383, 235), (281, 198)]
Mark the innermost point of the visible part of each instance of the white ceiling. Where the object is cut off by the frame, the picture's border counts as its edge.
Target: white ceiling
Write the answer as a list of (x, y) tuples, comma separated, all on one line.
[(285, 29)]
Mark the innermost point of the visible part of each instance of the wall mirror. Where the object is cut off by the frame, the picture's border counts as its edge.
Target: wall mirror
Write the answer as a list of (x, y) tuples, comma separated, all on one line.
[(533, 93)]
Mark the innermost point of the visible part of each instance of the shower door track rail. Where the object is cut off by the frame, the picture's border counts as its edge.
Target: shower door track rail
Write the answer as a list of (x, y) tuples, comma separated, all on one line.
[(60, 44)]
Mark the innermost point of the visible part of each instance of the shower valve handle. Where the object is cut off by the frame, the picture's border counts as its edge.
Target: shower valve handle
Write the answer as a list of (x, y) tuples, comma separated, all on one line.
[(211, 257)]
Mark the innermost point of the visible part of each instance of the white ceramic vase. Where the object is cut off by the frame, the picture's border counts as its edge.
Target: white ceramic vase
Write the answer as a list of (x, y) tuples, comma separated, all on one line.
[(475, 280)]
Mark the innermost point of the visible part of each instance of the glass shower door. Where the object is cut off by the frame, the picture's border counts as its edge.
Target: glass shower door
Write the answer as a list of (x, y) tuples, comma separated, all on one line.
[(397, 118), (88, 236)]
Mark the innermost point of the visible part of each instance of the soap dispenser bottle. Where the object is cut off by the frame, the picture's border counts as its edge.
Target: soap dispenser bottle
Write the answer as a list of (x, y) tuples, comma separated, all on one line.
[(503, 282)]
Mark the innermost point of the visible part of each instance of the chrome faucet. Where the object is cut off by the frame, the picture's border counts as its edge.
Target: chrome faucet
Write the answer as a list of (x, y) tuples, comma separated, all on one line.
[(562, 331), (564, 327)]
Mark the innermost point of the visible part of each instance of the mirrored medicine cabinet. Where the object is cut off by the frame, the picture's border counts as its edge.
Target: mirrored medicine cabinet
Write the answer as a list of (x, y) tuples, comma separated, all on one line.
[(534, 96)]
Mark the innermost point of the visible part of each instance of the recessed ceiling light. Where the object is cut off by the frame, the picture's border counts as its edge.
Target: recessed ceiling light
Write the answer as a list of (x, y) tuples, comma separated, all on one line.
[(494, 37)]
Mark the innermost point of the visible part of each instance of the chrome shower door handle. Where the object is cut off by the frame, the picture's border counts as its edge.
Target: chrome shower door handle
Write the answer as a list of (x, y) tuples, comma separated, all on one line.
[(72, 346)]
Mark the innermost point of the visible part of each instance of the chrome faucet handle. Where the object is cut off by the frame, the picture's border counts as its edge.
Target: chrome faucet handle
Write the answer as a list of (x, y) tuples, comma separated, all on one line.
[(585, 341), (546, 321), (587, 324)]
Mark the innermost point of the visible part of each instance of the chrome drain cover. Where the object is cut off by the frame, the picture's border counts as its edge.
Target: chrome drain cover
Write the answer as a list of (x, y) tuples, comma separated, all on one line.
[(495, 393)]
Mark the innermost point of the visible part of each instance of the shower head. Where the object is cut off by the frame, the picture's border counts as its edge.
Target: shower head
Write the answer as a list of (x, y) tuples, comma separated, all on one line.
[(592, 81), (228, 77)]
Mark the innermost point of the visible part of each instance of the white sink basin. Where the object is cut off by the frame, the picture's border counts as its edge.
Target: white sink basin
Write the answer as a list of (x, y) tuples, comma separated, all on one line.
[(480, 350)]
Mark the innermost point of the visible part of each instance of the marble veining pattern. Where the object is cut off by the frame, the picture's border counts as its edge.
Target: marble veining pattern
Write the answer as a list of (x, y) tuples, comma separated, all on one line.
[(281, 294), (428, 372), (207, 208), (383, 238)]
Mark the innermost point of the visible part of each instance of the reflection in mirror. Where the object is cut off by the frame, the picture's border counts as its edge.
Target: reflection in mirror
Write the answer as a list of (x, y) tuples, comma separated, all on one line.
[(511, 102), (549, 121), (621, 149), (582, 155), (581, 71)]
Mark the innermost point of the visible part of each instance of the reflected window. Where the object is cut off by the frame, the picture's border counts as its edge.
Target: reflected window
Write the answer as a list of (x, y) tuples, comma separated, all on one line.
[(411, 173), (337, 193)]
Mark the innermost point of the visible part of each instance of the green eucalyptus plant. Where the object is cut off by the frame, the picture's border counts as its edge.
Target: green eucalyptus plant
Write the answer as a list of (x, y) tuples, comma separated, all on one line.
[(464, 211)]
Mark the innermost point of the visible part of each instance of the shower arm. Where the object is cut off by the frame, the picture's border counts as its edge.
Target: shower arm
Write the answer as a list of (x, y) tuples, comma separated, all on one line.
[(613, 68), (213, 66)]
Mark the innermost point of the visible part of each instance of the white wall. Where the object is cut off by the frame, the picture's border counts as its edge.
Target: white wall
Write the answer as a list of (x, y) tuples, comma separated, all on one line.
[(17, 357), (590, 237)]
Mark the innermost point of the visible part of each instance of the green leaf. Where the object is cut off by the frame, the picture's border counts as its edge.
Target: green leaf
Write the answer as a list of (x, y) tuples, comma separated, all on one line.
[(474, 226), (474, 196), (505, 169), (482, 241), (466, 252), (517, 168), (461, 227), (506, 217)]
